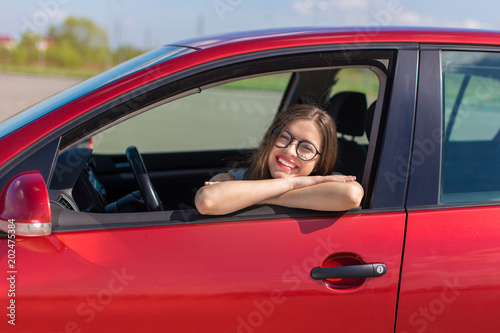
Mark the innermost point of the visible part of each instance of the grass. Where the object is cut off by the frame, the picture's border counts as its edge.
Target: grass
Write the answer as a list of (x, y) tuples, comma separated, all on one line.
[(268, 82), (49, 71), (349, 79)]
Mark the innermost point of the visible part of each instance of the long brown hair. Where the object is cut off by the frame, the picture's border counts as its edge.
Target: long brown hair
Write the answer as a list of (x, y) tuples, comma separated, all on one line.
[(257, 165)]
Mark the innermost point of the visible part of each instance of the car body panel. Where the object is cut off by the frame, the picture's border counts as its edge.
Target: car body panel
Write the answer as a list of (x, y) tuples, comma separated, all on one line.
[(210, 276), (450, 267)]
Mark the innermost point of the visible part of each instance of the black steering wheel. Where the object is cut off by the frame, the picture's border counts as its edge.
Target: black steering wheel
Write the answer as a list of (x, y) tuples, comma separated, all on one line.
[(148, 192)]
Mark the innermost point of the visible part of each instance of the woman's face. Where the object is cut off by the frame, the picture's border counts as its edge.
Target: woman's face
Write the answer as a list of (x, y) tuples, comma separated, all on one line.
[(284, 162)]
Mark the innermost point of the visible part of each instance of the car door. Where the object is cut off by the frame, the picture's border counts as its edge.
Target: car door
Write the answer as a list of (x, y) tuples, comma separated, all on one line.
[(264, 269), (449, 280)]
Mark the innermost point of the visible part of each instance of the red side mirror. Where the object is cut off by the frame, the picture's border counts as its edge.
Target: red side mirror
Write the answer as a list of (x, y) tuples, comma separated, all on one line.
[(25, 206)]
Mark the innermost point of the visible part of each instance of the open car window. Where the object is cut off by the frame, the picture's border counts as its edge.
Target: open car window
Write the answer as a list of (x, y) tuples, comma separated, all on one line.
[(188, 137)]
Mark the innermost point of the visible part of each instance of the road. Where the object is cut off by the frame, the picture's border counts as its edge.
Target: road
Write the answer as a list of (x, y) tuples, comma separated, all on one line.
[(19, 91)]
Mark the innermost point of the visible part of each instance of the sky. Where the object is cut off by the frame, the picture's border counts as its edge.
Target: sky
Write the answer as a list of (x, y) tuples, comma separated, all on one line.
[(151, 23)]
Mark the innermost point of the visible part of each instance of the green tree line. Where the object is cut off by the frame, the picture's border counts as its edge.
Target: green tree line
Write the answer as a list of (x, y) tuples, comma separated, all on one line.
[(78, 43)]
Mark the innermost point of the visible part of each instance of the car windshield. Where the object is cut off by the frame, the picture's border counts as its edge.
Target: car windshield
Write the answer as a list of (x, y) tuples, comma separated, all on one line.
[(38, 110)]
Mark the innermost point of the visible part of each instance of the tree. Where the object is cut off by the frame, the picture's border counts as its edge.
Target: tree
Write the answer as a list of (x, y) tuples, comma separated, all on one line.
[(5, 55), (78, 38), (76, 43), (26, 53), (63, 54)]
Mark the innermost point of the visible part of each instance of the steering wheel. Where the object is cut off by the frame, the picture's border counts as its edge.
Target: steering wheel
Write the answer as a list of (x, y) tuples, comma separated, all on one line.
[(148, 192)]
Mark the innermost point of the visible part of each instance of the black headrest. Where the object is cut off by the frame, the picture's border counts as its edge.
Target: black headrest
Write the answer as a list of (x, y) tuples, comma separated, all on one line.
[(348, 108)]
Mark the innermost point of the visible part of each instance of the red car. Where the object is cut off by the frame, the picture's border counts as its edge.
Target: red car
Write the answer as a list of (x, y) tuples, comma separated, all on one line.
[(91, 244)]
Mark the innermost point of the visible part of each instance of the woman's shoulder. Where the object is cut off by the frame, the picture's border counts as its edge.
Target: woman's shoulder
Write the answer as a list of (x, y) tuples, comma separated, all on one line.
[(238, 174), (222, 177), (233, 174)]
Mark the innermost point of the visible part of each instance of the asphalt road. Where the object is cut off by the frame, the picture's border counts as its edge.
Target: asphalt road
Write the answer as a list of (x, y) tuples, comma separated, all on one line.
[(17, 92)]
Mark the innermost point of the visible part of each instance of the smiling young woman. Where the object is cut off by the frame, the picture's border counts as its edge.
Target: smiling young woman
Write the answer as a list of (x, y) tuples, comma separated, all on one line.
[(292, 167)]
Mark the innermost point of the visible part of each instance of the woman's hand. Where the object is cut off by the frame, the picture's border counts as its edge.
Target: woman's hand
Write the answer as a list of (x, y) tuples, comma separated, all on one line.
[(304, 181), (223, 195), (327, 193)]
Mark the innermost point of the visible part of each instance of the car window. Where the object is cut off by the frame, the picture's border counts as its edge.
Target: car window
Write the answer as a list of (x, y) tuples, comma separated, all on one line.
[(471, 127), (229, 116), (199, 127)]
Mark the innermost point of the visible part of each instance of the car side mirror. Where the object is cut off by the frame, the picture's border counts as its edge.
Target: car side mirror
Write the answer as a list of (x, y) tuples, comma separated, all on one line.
[(25, 206)]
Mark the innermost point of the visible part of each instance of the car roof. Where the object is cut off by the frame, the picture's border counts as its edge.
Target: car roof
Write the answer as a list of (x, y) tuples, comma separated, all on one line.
[(360, 34)]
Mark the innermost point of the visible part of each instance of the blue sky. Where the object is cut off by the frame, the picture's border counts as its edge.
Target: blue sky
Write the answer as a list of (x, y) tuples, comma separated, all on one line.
[(151, 23)]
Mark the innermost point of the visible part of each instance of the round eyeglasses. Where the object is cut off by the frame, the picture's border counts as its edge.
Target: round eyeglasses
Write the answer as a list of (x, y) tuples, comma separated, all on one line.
[(306, 151)]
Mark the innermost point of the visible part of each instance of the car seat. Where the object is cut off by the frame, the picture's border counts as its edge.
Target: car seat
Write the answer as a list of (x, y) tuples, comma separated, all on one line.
[(348, 109)]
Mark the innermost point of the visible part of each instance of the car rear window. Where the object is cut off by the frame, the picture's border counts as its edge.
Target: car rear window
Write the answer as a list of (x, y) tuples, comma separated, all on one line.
[(471, 127)]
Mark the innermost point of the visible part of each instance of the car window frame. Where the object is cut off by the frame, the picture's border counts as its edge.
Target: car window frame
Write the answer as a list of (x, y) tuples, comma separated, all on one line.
[(394, 118), (179, 216)]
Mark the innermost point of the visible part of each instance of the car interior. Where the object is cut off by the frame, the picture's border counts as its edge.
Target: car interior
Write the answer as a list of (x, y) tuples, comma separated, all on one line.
[(90, 181)]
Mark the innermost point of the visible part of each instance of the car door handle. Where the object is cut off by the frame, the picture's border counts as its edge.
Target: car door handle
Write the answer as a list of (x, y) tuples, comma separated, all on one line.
[(352, 271)]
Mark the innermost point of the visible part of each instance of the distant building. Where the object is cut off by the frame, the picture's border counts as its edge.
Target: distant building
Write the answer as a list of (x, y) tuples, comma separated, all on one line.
[(7, 42)]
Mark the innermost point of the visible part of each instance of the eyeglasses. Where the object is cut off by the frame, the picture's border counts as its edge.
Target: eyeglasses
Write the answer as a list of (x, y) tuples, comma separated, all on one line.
[(306, 151)]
